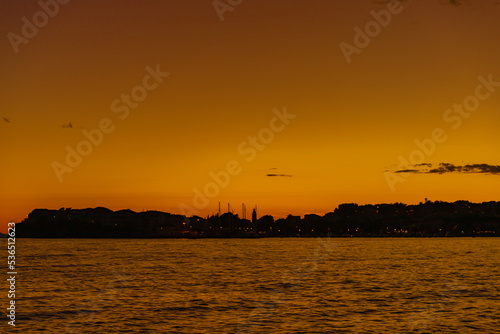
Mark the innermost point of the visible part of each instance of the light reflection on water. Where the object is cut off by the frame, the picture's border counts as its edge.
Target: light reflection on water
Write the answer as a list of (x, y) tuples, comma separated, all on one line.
[(258, 286)]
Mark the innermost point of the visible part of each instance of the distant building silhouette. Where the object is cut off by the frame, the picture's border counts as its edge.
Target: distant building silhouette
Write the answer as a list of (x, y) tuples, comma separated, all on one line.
[(432, 219), (254, 215)]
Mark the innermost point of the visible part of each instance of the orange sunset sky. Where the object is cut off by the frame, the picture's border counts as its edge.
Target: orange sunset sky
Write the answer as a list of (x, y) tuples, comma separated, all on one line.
[(353, 120)]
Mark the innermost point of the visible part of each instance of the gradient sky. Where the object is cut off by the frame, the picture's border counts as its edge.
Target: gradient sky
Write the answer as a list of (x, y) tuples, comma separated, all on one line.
[(353, 119)]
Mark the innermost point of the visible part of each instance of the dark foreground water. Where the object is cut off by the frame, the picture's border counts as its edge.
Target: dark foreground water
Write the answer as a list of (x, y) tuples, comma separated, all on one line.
[(257, 286)]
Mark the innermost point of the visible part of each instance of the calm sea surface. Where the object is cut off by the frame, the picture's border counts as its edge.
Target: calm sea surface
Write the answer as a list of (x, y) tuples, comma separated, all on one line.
[(257, 286)]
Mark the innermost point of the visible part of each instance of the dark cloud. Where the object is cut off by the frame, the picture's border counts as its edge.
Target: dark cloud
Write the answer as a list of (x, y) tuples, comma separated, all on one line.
[(444, 168), (67, 126), (407, 171), (279, 175), (6, 119)]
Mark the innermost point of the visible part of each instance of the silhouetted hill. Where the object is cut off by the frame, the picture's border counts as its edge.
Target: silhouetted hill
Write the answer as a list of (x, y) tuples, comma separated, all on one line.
[(429, 219)]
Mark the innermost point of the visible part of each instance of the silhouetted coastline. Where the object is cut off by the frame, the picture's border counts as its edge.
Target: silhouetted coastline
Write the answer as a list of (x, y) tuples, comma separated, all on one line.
[(429, 219)]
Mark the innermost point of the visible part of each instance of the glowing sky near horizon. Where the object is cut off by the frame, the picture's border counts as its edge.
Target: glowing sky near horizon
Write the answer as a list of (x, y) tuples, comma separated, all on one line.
[(353, 120)]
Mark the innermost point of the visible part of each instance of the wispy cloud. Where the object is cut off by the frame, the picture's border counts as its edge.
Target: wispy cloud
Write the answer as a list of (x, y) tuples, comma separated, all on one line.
[(407, 171), (6, 119), (275, 173), (445, 168)]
